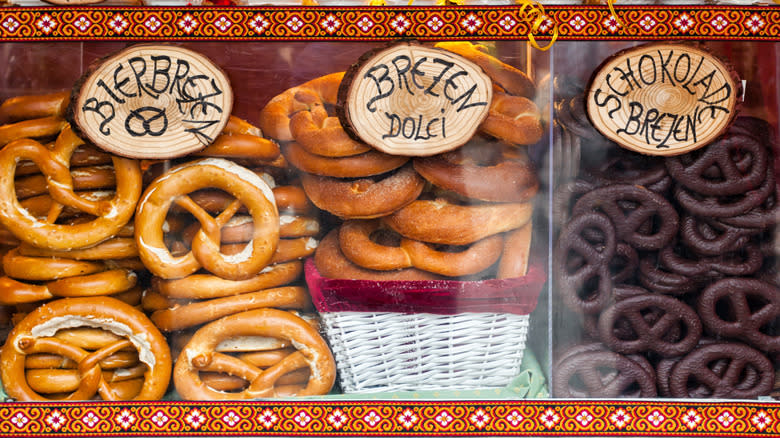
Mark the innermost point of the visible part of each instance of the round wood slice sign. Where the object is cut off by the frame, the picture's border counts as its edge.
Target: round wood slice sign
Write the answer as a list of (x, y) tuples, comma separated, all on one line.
[(152, 101), (414, 100), (663, 99)]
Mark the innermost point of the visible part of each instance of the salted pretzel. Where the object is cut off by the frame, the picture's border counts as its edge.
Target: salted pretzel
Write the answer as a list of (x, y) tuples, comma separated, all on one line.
[(275, 116), (202, 286), (106, 282), (124, 328), (34, 106), (200, 355), (173, 188), (84, 178), (110, 215), (198, 312)]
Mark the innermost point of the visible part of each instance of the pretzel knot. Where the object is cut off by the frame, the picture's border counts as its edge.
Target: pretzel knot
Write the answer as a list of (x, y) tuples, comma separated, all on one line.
[(201, 355), (54, 329), (246, 187), (110, 214)]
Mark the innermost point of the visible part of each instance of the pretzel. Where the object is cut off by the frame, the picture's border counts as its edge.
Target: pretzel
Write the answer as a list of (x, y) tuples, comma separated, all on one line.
[(331, 263), (35, 128), (84, 178), (364, 198), (196, 313), (109, 282), (114, 248), (512, 80), (131, 296), (516, 252), (242, 146), (83, 156), (202, 286), (36, 334), (289, 199), (34, 106), (45, 268), (362, 165), (120, 359), (440, 221), (357, 245), (200, 355), (241, 183), (226, 382), (111, 215), (321, 134), (39, 206), (513, 119), (481, 171), (239, 229), (54, 381), (275, 116)]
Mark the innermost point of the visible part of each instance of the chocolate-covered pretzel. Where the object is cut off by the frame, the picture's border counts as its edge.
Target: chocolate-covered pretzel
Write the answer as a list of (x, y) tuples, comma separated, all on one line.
[(741, 308), (722, 370), (630, 208), (565, 196), (625, 167), (760, 217), (738, 263), (578, 261), (656, 277), (657, 334), (602, 374), (711, 238), (726, 206), (624, 263), (732, 165)]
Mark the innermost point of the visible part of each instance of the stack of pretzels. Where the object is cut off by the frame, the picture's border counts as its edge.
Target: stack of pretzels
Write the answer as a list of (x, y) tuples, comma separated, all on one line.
[(666, 261), (75, 225), (462, 214)]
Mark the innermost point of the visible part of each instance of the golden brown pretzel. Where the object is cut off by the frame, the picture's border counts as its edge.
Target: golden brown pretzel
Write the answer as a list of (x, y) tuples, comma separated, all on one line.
[(477, 257), (357, 243), (110, 215), (237, 125), (289, 199), (513, 119), (507, 77), (83, 156), (202, 286), (242, 146), (322, 135), (29, 268), (440, 221), (331, 263), (368, 163), (84, 178), (174, 187), (120, 359), (36, 333), (34, 106), (275, 116), (200, 355), (111, 249), (110, 282), (517, 248), (35, 128), (196, 313), (239, 229), (286, 250), (364, 198)]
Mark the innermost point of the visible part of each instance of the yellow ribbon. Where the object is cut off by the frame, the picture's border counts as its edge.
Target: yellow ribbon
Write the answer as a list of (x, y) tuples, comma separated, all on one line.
[(534, 17), (614, 14)]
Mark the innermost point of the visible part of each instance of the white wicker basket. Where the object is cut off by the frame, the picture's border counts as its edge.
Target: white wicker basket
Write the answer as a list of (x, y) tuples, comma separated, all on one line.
[(413, 352)]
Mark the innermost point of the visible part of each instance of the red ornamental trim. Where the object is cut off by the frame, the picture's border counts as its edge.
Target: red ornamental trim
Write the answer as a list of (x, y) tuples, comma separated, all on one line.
[(540, 418), (385, 23)]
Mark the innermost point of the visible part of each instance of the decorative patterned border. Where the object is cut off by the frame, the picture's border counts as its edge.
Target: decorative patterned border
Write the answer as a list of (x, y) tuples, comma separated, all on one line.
[(538, 418), (385, 23)]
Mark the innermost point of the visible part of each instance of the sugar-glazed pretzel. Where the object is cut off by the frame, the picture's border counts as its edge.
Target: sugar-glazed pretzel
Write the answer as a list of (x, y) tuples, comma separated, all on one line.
[(245, 186), (110, 214), (200, 355), (121, 326)]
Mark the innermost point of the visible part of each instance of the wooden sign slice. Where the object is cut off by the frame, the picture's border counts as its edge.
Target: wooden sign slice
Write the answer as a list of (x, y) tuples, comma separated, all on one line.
[(663, 99), (413, 100), (152, 101)]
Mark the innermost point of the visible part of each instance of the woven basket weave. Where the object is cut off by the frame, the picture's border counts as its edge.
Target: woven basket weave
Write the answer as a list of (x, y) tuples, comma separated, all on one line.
[(413, 352)]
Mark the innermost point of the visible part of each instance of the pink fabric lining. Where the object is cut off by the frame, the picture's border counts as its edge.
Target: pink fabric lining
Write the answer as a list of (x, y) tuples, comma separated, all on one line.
[(444, 297)]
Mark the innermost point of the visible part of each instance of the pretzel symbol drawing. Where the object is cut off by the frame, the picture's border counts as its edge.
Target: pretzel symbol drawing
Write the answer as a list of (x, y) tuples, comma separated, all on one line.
[(247, 189), (110, 214)]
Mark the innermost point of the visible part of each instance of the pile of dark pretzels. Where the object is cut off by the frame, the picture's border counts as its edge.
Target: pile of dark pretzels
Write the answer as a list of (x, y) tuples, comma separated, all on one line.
[(670, 263)]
